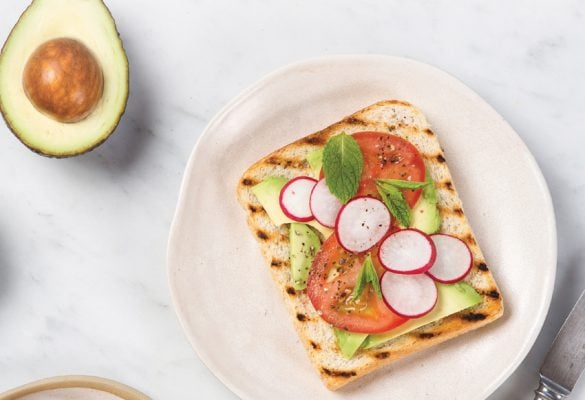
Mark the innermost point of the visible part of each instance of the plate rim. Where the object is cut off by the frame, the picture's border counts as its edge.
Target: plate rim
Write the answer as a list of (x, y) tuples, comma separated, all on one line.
[(249, 91), (75, 381)]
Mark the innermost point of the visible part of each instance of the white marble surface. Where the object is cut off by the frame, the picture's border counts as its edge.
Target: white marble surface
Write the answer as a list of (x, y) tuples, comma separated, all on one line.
[(83, 286)]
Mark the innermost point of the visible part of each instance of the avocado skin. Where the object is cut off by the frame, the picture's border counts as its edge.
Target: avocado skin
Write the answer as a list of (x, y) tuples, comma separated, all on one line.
[(65, 155), (116, 122)]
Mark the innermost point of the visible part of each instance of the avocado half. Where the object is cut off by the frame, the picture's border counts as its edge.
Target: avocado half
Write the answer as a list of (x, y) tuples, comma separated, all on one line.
[(90, 23)]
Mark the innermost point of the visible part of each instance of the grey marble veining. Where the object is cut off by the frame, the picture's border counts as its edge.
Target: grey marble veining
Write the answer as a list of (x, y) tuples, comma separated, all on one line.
[(83, 286)]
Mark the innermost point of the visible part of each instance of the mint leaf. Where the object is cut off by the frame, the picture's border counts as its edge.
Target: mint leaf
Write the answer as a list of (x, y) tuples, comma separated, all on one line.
[(396, 203), (372, 276), (397, 183), (367, 275), (429, 191), (342, 166), (391, 192), (360, 283)]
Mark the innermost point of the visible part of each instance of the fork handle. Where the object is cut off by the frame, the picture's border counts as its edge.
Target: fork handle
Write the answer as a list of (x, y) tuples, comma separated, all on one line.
[(548, 390)]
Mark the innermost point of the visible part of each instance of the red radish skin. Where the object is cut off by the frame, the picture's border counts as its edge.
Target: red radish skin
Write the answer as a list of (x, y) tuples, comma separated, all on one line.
[(324, 205), (362, 223), (407, 251), (410, 296), (454, 259), (294, 198)]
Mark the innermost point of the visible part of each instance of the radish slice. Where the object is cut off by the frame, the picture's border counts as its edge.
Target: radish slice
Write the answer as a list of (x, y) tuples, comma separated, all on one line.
[(408, 251), (362, 223), (294, 198), (410, 296), (454, 259), (324, 205)]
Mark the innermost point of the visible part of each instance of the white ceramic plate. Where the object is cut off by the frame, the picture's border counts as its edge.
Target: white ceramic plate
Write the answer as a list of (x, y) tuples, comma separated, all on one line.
[(222, 290)]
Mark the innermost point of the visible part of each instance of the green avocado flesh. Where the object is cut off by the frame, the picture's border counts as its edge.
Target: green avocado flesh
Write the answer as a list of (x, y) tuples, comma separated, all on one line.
[(425, 217), (425, 214), (89, 22), (268, 193), (315, 160), (349, 342), (452, 299), (304, 244)]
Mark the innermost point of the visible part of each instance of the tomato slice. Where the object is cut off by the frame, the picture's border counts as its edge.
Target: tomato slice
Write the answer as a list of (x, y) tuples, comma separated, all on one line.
[(330, 286), (334, 271), (388, 156)]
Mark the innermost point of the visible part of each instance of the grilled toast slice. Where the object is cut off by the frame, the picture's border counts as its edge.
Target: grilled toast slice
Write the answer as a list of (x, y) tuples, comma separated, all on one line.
[(398, 118)]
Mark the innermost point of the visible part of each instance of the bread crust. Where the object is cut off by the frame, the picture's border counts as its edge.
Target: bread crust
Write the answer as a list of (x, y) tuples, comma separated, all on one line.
[(402, 119)]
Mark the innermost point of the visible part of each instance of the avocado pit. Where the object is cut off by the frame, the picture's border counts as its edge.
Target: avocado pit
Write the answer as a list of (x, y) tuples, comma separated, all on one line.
[(63, 79)]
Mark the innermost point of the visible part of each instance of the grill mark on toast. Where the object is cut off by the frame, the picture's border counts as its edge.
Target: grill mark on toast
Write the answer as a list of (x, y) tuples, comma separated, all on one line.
[(273, 160), (494, 294), (391, 127), (248, 182), (469, 239), (473, 317), (446, 185), (458, 211), (429, 132), (291, 291), (254, 209), (382, 355), (275, 263), (351, 120), (286, 162), (445, 211), (398, 102), (482, 267), (262, 235), (315, 346), (338, 374), (437, 157), (427, 335), (302, 317), (314, 139)]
